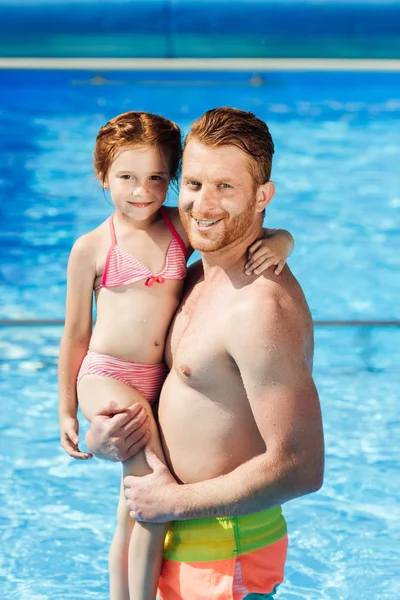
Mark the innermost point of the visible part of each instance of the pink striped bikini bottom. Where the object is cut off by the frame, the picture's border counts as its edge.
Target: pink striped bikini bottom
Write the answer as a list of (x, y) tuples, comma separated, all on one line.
[(146, 379)]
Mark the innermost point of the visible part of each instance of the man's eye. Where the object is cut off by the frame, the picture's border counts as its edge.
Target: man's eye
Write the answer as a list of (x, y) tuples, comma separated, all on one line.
[(192, 183), (224, 185)]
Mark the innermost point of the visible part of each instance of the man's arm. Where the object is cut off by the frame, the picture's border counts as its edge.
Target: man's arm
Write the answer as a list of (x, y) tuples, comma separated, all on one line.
[(270, 343)]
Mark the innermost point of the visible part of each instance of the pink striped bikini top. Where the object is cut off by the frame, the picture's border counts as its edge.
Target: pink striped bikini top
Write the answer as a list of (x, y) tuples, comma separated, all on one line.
[(122, 268)]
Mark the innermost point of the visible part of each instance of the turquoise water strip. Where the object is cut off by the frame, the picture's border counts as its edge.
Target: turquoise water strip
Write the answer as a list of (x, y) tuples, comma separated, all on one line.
[(199, 29)]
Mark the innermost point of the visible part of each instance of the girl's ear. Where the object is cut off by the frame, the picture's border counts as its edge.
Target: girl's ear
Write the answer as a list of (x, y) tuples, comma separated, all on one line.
[(265, 193), (102, 179)]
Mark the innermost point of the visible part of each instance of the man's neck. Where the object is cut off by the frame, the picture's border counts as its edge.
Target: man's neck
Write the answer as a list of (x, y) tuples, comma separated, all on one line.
[(232, 256)]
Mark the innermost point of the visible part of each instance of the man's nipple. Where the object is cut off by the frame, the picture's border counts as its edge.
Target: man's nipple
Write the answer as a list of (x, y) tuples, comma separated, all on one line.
[(186, 370)]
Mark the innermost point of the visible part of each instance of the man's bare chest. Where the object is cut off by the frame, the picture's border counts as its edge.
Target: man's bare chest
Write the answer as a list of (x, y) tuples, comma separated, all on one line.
[(196, 344)]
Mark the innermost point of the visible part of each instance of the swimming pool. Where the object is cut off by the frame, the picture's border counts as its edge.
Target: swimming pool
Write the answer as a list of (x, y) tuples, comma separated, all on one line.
[(336, 169)]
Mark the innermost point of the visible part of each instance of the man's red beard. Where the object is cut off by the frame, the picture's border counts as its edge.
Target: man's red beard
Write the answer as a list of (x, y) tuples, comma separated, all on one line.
[(230, 228)]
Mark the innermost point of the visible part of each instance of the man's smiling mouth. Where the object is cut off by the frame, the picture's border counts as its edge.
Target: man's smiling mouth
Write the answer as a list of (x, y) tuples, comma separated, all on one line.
[(206, 223)]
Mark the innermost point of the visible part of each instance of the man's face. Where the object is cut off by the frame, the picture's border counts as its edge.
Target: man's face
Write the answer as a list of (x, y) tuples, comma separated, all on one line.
[(217, 199)]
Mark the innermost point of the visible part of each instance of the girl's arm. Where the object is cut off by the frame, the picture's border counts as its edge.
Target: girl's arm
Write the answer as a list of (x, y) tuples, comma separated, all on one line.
[(75, 341), (270, 251)]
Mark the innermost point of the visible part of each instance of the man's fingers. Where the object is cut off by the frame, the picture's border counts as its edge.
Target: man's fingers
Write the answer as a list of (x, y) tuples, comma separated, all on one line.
[(129, 413), (111, 408), (128, 482), (140, 420), (121, 432), (136, 442), (152, 459)]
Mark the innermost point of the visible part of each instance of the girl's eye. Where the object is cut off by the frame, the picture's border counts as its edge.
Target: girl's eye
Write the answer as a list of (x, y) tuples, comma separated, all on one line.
[(155, 178), (126, 176)]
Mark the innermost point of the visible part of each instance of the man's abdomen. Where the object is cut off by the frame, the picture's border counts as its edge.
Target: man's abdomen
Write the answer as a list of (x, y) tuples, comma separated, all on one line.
[(205, 437)]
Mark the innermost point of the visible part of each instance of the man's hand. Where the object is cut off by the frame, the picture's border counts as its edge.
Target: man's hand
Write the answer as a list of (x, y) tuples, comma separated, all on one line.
[(117, 434), (153, 497)]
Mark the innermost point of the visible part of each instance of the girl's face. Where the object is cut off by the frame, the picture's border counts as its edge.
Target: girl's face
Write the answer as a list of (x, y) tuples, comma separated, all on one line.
[(138, 181)]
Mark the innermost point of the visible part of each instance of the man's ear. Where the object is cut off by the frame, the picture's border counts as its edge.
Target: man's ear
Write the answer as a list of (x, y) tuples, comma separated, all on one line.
[(264, 195)]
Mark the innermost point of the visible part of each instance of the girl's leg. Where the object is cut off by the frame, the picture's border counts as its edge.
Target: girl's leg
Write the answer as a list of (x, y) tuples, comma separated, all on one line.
[(145, 548), (119, 552), (145, 542)]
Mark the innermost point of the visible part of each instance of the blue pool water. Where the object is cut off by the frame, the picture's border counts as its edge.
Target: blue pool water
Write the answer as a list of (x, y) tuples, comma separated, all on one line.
[(336, 169), (57, 515)]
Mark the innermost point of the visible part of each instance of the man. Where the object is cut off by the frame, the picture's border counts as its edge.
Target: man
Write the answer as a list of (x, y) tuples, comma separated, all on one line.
[(239, 414)]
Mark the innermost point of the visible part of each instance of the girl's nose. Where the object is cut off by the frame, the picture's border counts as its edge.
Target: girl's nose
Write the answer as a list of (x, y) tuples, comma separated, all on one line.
[(139, 190)]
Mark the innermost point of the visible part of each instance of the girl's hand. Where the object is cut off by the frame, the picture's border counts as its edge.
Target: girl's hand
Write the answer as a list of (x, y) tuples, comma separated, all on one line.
[(269, 252), (69, 428)]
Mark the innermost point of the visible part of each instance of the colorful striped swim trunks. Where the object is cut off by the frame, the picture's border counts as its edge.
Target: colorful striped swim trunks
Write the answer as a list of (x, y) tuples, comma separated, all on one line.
[(225, 558)]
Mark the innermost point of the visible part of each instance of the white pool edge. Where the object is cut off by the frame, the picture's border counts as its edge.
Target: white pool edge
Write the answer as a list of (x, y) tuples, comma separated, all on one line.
[(202, 64)]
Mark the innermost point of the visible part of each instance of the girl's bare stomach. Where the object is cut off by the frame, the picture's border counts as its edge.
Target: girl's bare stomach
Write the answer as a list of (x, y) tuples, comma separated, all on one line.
[(133, 325)]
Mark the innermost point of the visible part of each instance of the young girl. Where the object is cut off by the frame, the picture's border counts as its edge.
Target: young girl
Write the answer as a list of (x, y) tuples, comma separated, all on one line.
[(135, 262)]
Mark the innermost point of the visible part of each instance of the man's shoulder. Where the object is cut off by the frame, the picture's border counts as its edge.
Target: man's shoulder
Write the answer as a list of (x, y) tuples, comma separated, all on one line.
[(269, 317), (271, 298)]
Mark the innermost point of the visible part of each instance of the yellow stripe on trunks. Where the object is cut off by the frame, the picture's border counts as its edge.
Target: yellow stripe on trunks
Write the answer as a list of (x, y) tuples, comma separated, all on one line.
[(198, 540)]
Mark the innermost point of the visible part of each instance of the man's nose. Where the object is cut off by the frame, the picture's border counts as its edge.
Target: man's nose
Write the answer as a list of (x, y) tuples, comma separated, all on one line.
[(205, 200)]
